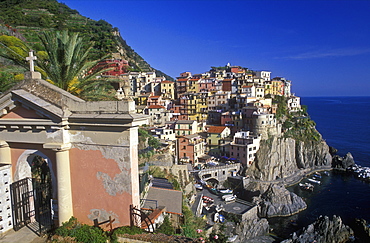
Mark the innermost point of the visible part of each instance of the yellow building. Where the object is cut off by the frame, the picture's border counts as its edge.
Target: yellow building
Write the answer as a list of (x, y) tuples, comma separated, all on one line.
[(168, 89), (201, 107), (193, 85)]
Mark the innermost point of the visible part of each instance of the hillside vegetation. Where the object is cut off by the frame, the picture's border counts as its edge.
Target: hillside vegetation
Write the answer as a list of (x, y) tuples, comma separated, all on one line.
[(25, 19)]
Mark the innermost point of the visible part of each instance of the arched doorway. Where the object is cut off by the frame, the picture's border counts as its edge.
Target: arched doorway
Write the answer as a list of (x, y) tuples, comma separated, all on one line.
[(33, 190), (42, 190)]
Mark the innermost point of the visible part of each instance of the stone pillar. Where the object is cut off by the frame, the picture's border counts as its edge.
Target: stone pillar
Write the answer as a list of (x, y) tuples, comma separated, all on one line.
[(134, 143), (5, 156), (65, 206)]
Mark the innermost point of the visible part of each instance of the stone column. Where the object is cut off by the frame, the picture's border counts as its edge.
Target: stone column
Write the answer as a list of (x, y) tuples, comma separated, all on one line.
[(5, 156), (65, 206)]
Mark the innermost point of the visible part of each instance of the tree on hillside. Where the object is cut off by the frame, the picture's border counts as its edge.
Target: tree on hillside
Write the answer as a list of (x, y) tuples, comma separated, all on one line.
[(6, 81), (65, 62), (14, 49)]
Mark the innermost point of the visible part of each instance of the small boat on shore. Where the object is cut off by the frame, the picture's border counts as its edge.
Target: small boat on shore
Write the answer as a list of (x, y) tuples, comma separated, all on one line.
[(228, 198), (317, 175), (306, 186), (225, 191), (314, 181), (326, 173)]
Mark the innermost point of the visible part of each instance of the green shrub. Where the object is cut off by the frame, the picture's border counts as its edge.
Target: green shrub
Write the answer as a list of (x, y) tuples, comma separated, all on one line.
[(131, 230), (81, 232), (166, 227)]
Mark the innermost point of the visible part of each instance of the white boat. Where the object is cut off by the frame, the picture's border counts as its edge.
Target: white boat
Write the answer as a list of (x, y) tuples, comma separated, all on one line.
[(226, 191), (198, 186), (216, 217), (228, 198), (219, 208), (306, 186), (314, 181)]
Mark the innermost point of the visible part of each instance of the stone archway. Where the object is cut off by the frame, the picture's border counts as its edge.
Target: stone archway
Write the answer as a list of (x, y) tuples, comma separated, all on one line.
[(24, 164), (36, 168)]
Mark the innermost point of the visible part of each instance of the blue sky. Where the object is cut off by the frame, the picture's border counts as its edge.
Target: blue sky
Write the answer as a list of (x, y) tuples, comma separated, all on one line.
[(323, 47)]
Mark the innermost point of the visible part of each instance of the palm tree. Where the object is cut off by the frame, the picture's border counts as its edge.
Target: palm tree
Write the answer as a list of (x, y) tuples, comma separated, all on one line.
[(67, 64)]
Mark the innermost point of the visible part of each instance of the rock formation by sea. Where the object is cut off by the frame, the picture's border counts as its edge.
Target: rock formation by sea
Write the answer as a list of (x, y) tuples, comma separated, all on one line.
[(323, 230)]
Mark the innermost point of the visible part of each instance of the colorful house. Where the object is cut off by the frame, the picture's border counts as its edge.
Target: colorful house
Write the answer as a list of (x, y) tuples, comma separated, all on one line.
[(185, 127), (168, 89), (244, 147), (190, 148), (214, 135)]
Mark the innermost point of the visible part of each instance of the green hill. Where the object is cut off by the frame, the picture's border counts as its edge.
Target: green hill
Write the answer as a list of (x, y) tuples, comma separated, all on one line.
[(26, 18)]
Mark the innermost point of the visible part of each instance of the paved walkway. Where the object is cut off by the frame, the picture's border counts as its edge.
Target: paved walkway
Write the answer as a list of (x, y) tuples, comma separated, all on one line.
[(25, 235)]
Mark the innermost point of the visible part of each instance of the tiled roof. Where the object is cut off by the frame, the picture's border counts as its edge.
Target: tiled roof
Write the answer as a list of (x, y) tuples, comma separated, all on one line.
[(167, 81), (156, 107), (216, 129)]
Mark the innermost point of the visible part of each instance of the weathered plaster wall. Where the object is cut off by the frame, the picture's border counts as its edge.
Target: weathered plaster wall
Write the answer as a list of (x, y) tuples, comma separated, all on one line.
[(104, 175)]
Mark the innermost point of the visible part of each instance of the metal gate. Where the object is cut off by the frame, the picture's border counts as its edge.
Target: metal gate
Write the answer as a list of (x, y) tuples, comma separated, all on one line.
[(21, 194), (42, 199), (31, 205)]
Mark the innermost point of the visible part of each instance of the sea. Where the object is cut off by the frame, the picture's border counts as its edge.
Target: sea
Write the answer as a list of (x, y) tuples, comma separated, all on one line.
[(344, 123)]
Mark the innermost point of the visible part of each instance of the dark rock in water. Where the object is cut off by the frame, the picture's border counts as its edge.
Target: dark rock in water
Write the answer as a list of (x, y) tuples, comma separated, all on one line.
[(332, 150), (278, 201), (323, 230), (342, 163)]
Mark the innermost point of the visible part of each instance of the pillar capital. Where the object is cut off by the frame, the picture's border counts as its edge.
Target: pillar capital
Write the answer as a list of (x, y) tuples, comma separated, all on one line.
[(3, 144), (58, 147)]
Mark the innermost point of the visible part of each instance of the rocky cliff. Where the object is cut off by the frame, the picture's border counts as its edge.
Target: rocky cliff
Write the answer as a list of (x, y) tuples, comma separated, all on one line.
[(281, 161), (253, 228), (342, 163), (278, 201), (280, 157), (323, 230)]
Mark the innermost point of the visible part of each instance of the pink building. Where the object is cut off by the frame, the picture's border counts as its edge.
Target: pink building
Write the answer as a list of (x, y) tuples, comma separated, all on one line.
[(244, 147)]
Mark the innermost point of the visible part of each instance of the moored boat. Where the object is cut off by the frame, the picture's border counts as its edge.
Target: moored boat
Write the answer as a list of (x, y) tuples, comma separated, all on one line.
[(306, 186), (314, 181)]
